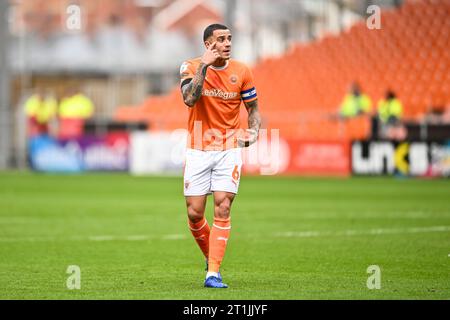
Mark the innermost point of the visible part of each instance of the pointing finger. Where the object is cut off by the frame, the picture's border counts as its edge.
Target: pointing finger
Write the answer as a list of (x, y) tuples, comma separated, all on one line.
[(213, 45)]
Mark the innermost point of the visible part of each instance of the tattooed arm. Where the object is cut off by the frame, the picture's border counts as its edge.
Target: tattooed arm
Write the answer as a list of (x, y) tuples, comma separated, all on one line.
[(192, 91), (254, 123), (254, 118)]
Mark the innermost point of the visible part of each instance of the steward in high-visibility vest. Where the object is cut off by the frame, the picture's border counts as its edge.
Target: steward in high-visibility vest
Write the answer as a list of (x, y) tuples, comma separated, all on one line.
[(74, 110), (355, 103), (39, 111), (390, 109), (78, 106)]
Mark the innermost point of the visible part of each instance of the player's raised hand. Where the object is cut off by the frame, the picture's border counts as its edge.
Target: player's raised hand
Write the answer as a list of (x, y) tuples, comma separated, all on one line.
[(211, 55), (249, 138)]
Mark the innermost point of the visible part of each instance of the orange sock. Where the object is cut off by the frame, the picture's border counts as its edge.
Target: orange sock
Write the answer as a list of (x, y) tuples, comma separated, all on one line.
[(200, 231), (218, 243)]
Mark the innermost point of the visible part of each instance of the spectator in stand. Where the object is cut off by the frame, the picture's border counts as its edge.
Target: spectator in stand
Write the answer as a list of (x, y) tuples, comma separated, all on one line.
[(355, 103)]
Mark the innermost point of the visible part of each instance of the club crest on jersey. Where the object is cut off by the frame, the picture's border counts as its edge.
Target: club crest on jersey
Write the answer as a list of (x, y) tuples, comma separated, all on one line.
[(233, 79)]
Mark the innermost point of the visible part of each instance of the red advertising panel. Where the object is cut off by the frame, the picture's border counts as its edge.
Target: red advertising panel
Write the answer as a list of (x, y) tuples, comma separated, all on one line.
[(290, 156), (319, 158)]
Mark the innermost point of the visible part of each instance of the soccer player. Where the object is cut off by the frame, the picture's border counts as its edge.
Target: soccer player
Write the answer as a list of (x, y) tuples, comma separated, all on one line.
[(213, 87)]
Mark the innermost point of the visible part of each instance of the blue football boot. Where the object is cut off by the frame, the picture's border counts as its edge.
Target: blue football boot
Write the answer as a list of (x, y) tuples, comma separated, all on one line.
[(215, 282)]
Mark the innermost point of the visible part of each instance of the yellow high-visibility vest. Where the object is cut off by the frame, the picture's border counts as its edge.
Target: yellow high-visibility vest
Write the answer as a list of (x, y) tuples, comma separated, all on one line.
[(352, 105), (41, 109), (390, 108), (78, 106)]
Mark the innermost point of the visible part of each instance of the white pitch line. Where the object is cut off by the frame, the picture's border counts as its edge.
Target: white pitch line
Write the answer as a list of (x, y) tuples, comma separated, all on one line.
[(309, 234), (288, 234), (101, 238), (138, 237), (174, 237), (98, 238)]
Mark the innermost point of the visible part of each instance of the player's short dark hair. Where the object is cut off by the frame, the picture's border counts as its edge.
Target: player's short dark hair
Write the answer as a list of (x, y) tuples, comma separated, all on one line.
[(211, 28)]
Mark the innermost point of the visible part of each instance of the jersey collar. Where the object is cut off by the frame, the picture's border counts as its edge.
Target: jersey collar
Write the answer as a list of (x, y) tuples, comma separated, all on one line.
[(220, 68)]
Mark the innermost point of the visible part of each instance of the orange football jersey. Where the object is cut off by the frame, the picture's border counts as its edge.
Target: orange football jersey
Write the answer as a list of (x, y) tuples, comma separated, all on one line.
[(214, 120)]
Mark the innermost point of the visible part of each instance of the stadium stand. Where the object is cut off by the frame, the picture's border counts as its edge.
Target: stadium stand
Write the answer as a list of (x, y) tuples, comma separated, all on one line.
[(299, 91)]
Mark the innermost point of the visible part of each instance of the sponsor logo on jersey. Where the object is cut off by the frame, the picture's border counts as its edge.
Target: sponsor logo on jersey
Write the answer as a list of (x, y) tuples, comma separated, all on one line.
[(219, 94)]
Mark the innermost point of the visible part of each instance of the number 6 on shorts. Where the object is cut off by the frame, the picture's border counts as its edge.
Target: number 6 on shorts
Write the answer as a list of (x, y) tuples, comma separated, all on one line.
[(235, 174)]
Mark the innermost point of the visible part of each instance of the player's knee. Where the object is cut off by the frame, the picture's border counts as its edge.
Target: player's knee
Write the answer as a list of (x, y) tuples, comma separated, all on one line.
[(194, 214), (223, 209)]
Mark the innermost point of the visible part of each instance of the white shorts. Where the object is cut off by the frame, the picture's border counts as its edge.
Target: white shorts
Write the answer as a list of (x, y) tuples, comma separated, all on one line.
[(208, 171)]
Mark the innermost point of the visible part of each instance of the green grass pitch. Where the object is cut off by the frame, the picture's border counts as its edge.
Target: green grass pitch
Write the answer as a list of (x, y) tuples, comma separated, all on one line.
[(292, 238)]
